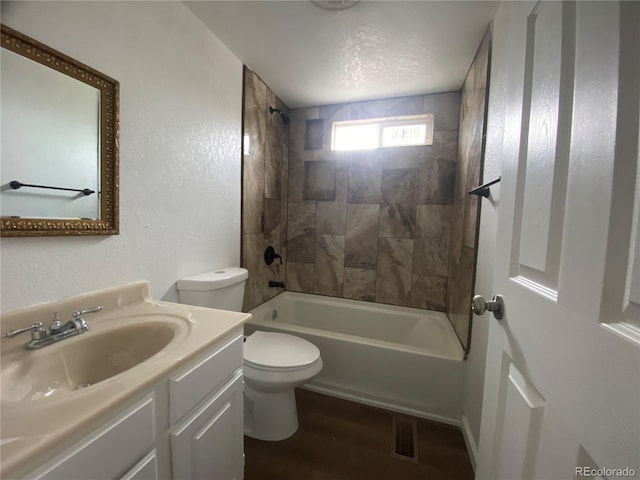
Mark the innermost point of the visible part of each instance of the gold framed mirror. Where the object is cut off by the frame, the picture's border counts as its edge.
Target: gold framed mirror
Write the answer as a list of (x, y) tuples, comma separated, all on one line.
[(46, 201)]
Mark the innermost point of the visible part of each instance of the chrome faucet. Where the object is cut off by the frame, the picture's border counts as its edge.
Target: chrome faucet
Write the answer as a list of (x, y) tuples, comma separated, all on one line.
[(40, 337)]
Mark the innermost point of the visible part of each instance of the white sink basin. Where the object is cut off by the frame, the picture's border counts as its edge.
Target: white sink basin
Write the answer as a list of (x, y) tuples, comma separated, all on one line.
[(85, 360)]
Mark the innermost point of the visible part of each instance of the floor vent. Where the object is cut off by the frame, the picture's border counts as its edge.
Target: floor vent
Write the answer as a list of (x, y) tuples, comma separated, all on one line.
[(404, 443)]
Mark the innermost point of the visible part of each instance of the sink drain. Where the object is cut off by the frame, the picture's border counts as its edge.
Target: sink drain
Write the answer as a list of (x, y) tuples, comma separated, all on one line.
[(83, 385)]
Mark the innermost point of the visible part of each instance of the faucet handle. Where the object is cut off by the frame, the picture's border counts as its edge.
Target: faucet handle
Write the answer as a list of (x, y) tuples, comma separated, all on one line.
[(37, 331), (89, 310)]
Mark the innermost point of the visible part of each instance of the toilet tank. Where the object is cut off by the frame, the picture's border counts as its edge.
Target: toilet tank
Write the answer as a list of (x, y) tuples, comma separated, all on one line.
[(222, 288)]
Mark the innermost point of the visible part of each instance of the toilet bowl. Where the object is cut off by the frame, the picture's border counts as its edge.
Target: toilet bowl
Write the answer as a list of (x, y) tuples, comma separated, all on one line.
[(274, 365)]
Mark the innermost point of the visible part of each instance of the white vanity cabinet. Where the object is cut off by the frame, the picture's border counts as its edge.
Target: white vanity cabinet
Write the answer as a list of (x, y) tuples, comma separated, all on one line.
[(209, 443), (187, 426), (207, 413)]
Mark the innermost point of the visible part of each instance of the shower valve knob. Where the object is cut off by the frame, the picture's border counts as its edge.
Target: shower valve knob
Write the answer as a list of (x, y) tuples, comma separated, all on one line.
[(496, 306), (270, 255)]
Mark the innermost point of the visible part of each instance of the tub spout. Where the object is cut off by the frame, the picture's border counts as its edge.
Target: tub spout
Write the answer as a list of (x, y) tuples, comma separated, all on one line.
[(274, 284)]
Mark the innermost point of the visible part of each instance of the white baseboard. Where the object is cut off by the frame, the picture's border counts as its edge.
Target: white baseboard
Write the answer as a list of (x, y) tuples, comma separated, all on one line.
[(472, 448), (345, 395)]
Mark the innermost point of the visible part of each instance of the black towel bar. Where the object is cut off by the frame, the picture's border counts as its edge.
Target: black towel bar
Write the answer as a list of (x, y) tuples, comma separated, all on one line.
[(483, 190), (15, 184)]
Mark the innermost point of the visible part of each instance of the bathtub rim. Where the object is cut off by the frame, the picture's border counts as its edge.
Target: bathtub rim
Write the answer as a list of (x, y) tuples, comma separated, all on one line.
[(458, 355)]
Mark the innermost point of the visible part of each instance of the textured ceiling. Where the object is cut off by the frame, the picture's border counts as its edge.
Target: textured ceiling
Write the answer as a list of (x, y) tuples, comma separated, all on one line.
[(375, 49)]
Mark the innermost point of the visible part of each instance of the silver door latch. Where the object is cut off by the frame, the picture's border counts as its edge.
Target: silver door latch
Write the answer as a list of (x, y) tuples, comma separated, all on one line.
[(479, 305)]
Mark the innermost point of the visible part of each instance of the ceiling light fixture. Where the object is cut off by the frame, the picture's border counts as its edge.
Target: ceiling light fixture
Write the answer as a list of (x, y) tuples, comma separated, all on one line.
[(334, 4)]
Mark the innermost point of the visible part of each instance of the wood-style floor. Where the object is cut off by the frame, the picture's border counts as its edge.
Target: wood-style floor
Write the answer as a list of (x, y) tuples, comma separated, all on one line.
[(341, 440)]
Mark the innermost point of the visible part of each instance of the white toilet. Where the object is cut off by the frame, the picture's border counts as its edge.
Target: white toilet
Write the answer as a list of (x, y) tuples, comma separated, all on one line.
[(274, 363)]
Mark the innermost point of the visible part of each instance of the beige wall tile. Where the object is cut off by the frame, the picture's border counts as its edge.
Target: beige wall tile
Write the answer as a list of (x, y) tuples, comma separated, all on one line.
[(433, 235), (313, 134), (252, 193), (398, 203), (437, 172), (272, 164), (429, 292), (365, 175), (369, 109), (255, 107), (330, 247), (446, 110), (393, 277), (396, 107), (319, 180), (360, 284), (331, 218), (295, 178), (301, 232), (300, 277), (297, 132), (329, 265), (362, 236), (251, 254), (436, 181), (405, 157), (332, 215)]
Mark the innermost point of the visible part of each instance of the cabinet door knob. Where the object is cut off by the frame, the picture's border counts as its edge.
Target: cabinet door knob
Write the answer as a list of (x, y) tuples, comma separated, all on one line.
[(496, 306)]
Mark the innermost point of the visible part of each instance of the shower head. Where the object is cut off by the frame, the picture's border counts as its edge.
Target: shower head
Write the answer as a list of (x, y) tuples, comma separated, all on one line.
[(285, 118)]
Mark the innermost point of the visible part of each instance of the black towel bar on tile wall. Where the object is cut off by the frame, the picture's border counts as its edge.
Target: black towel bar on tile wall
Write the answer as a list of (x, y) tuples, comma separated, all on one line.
[(483, 190), (15, 184)]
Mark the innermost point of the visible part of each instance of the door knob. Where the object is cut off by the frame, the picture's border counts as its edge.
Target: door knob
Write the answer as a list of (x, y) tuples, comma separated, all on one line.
[(479, 305)]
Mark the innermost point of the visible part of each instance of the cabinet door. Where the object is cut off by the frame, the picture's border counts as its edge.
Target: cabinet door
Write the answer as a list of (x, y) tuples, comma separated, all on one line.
[(145, 469), (209, 444), (190, 387)]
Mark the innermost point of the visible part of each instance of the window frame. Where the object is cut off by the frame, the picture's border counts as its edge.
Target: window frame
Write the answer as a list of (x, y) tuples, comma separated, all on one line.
[(426, 119)]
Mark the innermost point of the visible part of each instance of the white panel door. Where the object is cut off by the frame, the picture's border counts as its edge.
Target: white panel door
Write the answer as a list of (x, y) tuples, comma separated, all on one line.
[(562, 385)]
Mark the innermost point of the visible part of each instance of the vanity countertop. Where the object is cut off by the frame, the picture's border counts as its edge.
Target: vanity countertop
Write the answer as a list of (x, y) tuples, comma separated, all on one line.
[(36, 420)]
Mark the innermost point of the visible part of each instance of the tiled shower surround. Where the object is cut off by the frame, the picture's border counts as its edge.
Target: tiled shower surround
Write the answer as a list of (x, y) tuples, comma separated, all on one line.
[(464, 241), (392, 225), (372, 225), (264, 188)]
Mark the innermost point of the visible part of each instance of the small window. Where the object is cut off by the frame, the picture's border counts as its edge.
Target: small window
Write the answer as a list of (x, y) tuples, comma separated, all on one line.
[(383, 132)]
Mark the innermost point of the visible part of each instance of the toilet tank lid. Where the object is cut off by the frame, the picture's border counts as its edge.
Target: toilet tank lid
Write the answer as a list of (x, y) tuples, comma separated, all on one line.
[(222, 277)]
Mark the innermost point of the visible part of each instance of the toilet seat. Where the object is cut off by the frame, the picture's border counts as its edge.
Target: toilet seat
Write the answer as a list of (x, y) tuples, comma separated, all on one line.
[(270, 351), (262, 368)]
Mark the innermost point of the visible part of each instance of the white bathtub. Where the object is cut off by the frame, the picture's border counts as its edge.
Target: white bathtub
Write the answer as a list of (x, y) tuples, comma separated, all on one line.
[(403, 359)]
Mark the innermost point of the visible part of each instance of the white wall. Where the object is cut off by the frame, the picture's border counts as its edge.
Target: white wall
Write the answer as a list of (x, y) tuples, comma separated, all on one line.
[(180, 127), (474, 381)]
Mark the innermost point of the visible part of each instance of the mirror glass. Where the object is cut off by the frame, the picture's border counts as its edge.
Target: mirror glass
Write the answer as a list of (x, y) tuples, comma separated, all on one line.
[(50, 137), (59, 149)]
